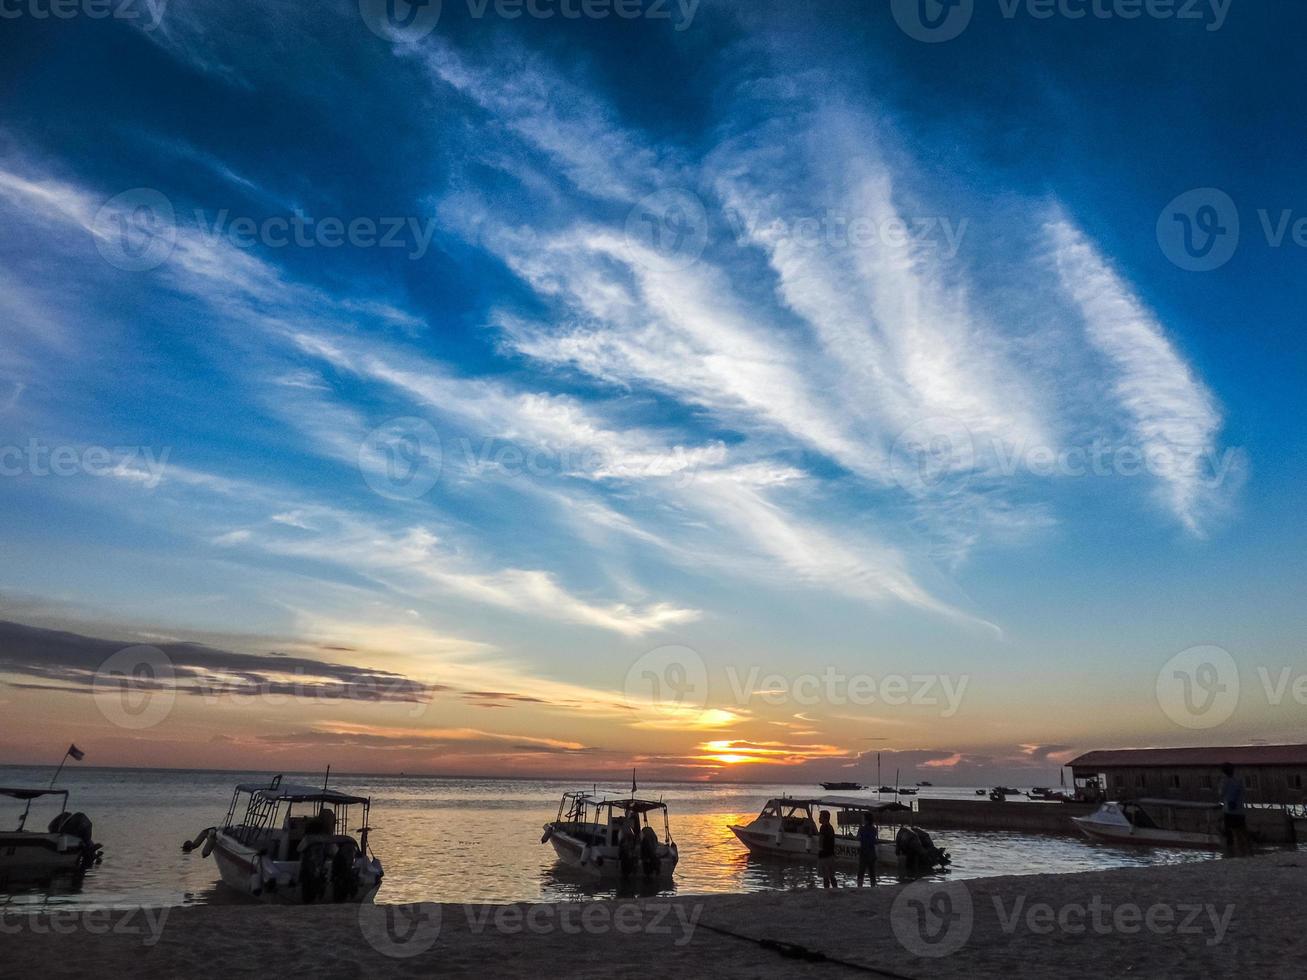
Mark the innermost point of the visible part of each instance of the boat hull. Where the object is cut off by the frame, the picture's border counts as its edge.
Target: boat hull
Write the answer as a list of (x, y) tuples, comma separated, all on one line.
[(603, 861), (803, 847), (246, 871), (23, 853), (1146, 836)]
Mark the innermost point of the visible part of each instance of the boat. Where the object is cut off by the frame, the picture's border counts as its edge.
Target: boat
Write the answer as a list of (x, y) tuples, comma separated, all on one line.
[(887, 789), (841, 786), (64, 846), (1047, 795), (268, 851), (905, 791), (1155, 823), (586, 835), (925, 783), (982, 792), (1007, 790), (787, 828)]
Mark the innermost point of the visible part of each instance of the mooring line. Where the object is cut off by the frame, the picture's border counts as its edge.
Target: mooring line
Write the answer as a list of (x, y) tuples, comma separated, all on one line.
[(795, 951)]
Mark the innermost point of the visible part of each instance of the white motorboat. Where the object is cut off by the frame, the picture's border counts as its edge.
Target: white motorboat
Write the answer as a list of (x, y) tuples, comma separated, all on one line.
[(1155, 823), (64, 846), (275, 854), (588, 835), (787, 828)]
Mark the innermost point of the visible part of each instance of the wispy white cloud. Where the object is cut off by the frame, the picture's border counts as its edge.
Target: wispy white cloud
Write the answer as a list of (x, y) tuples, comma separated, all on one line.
[(1173, 417)]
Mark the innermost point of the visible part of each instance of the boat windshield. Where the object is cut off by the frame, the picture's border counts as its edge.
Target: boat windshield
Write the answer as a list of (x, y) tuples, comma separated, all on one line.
[(28, 796)]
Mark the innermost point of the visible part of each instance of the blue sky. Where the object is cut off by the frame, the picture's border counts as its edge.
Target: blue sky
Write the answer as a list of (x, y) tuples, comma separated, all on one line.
[(773, 333)]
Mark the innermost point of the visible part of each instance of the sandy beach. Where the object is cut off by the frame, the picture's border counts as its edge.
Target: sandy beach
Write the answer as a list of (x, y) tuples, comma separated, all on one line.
[(1216, 918)]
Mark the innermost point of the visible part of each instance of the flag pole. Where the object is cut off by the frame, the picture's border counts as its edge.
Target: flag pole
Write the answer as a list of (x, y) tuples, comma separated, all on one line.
[(60, 768)]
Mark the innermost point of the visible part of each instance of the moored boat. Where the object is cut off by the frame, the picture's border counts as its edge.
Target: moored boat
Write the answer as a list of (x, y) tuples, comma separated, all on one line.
[(588, 835), (274, 854), (1155, 823), (787, 828), (64, 846), (841, 786)]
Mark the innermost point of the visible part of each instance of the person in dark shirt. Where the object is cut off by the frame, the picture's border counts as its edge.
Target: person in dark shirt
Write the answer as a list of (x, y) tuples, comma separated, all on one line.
[(867, 835), (1232, 813), (826, 852)]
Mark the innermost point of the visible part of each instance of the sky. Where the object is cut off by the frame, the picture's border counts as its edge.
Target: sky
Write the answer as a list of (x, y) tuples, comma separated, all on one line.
[(723, 390)]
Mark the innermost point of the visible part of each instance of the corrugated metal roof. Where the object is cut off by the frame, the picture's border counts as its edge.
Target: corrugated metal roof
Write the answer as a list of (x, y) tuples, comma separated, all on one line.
[(1236, 755)]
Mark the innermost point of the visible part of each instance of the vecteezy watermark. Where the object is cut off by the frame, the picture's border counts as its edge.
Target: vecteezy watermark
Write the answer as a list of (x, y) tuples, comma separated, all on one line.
[(299, 230), (401, 21), (409, 21), (667, 230), (936, 21), (1201, 230), (401, 932), (1102, 918), (40, 459), (932, 919), (937, 919), (834, 229), (136, 230), (147, 923), (135, 688), (512, 460), (1199, 687), (943, 452), (668, 681), (407, 931), (150, 11), (401, 459), (834, 687)]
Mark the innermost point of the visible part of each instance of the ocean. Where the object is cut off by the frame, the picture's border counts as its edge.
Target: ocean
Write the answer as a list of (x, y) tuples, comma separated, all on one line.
[(467, 840)]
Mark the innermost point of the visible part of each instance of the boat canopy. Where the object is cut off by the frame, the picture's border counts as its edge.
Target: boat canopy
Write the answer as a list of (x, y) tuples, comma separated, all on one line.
[(291, 793), (850, 803), (30, 794), (840, 802), (629, 805)]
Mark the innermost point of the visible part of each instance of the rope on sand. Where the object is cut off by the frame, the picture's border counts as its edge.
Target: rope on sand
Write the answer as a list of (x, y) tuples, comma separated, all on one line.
[(794, 951)]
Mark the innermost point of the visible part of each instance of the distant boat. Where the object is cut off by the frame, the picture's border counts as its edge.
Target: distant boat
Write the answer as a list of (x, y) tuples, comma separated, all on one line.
[(65, 845), (1137, 822), (273, 854), (907, 792), (981, 792), (925, 783), (586, 835), (842, 786), (886, 789)]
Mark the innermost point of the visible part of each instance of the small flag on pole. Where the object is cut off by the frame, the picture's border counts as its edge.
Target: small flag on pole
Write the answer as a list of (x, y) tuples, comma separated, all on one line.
[(77, 754)]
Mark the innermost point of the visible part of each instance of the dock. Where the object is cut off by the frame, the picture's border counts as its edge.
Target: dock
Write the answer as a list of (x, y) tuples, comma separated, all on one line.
[(1269, 825)]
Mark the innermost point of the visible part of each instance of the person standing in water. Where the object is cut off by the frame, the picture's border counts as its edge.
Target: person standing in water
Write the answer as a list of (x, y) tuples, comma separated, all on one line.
[(867, 836), (826, 852)]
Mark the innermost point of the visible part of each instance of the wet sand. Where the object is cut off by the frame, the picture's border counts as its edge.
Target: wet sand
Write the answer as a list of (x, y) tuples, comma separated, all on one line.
[(1213, 918)]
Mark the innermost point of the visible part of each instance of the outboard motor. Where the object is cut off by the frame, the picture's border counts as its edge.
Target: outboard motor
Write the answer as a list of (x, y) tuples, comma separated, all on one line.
[(933, 855), (344, 876)]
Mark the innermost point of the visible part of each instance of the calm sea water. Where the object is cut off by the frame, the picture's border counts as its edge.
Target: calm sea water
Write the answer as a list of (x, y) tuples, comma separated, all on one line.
[(469, 840)]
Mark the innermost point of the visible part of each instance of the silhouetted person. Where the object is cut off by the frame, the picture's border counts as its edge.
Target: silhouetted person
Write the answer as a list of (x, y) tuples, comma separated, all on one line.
[(826, 852), (1232, 813), (867, 836), (628, 848)]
